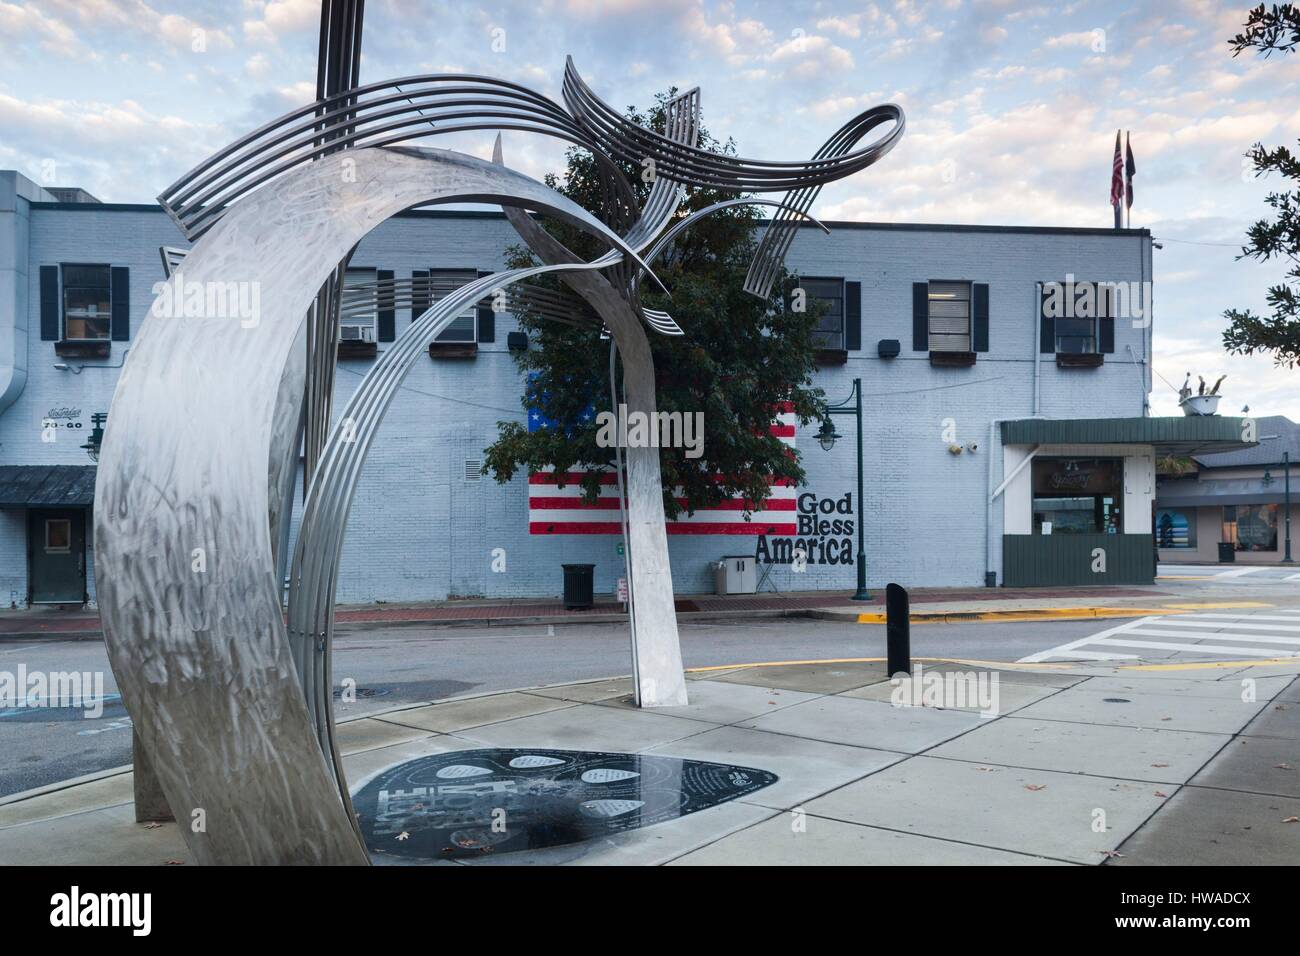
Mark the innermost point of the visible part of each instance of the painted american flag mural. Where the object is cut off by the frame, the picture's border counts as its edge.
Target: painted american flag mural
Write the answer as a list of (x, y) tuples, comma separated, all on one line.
[(556, 510)]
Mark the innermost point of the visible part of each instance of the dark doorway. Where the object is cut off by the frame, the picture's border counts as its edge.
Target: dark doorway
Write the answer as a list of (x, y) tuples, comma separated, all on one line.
[(56, 549)]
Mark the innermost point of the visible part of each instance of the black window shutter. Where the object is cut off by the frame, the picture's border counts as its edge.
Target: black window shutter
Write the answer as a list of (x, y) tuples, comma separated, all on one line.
[(120, 289), (1046, 326), (387, 331), (49, 303), (853, 315), (1106, 333), (921, 316), (980, 319), (419, 292), (487, 319)]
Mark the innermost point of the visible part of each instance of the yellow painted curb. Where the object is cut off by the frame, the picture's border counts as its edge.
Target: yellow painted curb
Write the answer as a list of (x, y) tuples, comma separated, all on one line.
[(1025, 614), (1054, 613)]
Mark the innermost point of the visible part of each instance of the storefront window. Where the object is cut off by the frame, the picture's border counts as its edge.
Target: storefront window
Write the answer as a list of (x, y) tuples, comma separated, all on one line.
[(1251, 527), (1175, 529), (1078, 495)]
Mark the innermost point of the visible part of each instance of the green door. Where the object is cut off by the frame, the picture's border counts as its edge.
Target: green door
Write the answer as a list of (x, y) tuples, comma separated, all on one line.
[(56, 542)]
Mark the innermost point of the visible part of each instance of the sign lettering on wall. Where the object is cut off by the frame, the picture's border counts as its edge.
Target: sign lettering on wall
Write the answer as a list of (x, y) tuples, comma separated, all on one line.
[(825, 529)]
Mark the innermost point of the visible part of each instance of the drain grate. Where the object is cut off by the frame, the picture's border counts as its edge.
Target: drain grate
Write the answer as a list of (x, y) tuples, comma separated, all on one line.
[(363, 692)]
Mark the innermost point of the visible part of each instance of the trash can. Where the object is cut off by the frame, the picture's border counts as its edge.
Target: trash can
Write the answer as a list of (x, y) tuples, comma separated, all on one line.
[(1227, 552), (578, 586)]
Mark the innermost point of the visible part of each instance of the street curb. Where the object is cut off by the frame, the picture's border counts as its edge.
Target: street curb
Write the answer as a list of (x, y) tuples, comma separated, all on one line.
[(1025, 614), (345, 626)]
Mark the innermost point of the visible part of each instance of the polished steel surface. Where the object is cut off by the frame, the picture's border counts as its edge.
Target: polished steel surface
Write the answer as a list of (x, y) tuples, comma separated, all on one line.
[(192, 471)]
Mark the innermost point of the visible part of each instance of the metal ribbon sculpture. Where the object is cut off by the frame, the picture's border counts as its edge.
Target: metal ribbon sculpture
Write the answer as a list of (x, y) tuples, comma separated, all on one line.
[(233, 708)]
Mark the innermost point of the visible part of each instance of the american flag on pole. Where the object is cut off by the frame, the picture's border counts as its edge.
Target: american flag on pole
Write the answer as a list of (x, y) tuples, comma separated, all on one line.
[(1117, 180), (556, 510)]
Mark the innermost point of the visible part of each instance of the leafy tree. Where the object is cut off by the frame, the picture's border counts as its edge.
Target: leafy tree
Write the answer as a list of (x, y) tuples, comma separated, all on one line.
[(739, 356), (1268, 31)]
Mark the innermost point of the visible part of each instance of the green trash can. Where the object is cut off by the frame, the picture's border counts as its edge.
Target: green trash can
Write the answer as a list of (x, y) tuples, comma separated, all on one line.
[(578, 586)]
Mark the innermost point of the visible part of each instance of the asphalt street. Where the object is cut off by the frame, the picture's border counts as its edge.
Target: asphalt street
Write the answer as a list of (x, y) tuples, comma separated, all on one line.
[(397, 665), (387, 666)]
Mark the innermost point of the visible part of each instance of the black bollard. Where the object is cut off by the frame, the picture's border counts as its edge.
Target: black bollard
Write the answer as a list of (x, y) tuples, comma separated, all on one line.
[(898, 630)]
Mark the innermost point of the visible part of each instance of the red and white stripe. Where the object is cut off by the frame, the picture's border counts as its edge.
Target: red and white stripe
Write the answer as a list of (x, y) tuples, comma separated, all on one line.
[(556, 510)]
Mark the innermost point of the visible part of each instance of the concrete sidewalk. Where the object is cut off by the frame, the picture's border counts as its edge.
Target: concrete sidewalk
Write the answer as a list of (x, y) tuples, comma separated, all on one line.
[(955, 603), (1192, 763)]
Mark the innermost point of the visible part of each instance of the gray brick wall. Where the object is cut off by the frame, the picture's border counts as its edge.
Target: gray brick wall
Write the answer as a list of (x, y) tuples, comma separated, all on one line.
[(420, 531)]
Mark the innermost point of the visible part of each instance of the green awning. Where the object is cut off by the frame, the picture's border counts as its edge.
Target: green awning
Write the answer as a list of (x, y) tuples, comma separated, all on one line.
[(1181, 436)]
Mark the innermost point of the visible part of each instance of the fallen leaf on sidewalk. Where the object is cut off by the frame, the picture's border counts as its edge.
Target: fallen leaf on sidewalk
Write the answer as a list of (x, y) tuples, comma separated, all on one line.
[(1035, 786), (1166, 718), (1292, 820), (403, 835), (174, 863), (1160, 765), (1161, 793), (1283, 766), (152, 826), (1111, 854)]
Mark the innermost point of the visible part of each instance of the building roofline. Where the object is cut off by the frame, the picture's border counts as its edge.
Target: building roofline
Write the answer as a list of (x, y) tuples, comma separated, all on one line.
[(832, 223)]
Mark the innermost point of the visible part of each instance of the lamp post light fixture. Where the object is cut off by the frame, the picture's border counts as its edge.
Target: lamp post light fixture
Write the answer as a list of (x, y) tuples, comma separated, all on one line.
[(826, 437), (91, 447)]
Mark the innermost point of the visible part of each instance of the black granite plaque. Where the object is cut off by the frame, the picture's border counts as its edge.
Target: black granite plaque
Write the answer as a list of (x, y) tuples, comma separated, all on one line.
[(473, 802)]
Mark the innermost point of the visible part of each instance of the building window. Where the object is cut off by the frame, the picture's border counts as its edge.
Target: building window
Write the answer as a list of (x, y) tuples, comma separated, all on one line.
[(1175, 528), (829, 293), (87, 302), (1251, 527), (58, 536), (359, 314), (1076, 310), (443, 282), (949, 317), (1077, 495)]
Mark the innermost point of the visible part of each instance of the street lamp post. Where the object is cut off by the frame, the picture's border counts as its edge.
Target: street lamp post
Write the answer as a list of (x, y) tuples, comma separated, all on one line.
[(827, 437), (1286, 507)]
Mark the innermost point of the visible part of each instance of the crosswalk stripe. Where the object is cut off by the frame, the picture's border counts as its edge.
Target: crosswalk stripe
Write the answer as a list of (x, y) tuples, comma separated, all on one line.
[(1237, 572), (1291, 618), (1185, 635), (1191, 648), (1093, 656), (1239, 625), (1060, 649)]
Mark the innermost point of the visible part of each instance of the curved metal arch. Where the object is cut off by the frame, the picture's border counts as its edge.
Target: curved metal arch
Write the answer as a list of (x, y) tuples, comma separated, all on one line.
[(202, 422), (396, 111)]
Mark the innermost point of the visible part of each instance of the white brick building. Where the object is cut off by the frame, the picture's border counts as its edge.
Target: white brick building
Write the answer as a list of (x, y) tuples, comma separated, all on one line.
[(421, 530)]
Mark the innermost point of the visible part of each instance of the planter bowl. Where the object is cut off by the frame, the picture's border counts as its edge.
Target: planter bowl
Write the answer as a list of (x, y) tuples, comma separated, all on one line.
[(1200, 404)]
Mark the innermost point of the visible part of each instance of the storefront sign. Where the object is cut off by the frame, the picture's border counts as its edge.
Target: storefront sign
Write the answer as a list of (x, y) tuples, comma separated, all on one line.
[(825, 534)]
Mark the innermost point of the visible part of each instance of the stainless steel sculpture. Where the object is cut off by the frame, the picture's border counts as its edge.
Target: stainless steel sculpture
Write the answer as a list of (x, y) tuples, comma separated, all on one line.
[(197, 464)]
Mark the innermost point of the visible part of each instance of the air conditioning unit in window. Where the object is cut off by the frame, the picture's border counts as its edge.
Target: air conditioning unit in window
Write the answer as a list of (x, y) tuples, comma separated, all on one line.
[(357, 333)]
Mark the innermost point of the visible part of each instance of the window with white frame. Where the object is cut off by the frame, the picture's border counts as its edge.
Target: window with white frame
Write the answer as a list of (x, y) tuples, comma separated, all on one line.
[(949, 314), (442, 283), (357, 325), (87, 302), (1076, 309), (829, 293)]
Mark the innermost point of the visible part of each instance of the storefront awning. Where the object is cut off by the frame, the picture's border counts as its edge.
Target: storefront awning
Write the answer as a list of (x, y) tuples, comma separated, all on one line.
[(46, 486), (1190, 493), (1180, 436)]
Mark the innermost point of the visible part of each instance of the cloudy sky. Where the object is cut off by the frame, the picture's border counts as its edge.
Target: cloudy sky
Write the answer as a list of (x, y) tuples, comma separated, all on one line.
[(1011, 109)]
